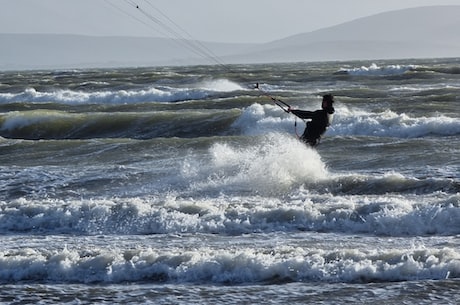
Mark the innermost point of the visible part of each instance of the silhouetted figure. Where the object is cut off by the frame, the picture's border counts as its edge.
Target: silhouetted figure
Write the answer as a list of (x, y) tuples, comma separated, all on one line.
[(320, 120)]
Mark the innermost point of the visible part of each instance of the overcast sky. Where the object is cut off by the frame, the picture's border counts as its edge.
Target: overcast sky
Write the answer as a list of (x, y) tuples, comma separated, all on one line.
[(209, 20)]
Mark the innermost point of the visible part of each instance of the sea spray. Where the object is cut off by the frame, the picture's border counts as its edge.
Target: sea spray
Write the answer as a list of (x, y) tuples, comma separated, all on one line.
[(273, 164)]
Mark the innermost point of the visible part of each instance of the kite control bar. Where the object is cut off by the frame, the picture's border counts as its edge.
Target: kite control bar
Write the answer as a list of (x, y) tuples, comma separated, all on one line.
[(283, 105), (286, 107)]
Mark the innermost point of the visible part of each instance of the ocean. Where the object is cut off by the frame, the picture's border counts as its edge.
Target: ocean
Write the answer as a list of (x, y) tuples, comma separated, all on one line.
[(185, 185)]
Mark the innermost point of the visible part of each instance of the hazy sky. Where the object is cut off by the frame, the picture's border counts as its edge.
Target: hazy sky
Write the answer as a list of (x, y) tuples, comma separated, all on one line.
[(210, 20)]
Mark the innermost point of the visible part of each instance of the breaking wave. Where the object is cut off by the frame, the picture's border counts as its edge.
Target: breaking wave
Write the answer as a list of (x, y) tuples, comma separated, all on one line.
[(375, 70), (257, 119), (206, 265), (164, 94)]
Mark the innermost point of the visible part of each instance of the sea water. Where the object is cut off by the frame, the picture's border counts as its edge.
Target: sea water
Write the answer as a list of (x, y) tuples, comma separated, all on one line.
[(181, 185)]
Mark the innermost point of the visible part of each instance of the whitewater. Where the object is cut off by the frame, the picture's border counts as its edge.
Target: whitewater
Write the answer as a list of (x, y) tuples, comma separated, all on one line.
[(180, 185)]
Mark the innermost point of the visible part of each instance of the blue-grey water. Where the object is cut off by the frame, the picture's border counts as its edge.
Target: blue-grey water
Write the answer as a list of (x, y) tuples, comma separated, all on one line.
[(181, 185)]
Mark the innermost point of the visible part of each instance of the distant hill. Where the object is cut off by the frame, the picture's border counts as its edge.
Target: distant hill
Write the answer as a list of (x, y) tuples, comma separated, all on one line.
[(410, 33)]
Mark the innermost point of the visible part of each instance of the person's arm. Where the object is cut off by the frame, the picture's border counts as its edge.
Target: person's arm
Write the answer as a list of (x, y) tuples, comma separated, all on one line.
[(303, 114)]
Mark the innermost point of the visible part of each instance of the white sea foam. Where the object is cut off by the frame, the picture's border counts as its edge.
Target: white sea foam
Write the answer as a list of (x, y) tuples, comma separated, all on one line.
[(102, 97), (375, 70), (209, 265), (391, 124), (258, 119), (208, 212), (126, 96)]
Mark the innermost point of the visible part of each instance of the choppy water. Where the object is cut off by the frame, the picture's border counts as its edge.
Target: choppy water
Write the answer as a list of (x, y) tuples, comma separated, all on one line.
[(185, 185)]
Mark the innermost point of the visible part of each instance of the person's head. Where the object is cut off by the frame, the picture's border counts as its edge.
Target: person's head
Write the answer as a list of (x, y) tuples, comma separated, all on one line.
[(328, 100)]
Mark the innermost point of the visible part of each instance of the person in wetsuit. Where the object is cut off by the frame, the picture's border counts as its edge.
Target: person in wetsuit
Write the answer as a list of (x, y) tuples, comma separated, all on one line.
[(320, 120)]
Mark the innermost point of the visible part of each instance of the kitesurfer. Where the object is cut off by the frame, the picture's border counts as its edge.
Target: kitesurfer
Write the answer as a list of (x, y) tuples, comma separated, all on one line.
[(320, 120)]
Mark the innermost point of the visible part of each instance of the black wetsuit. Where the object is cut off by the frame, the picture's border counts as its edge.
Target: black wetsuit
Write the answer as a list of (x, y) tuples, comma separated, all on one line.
[(320, 120)]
